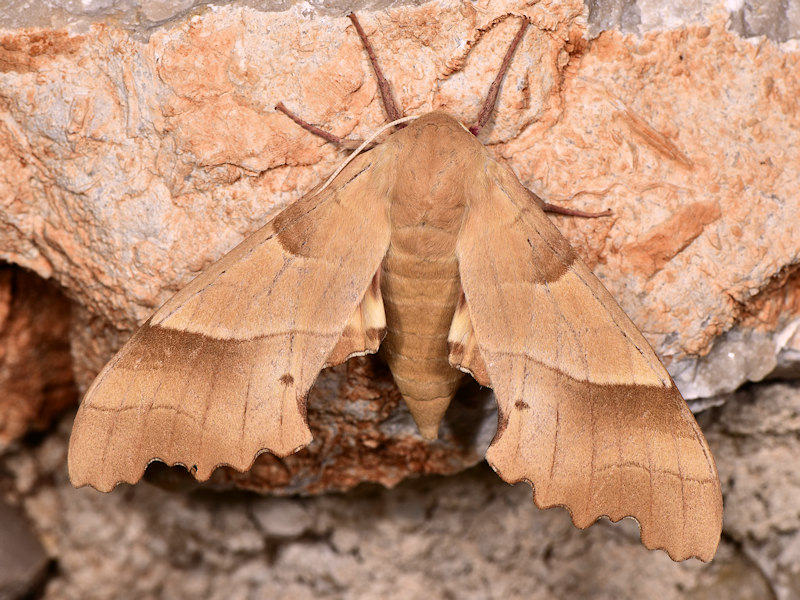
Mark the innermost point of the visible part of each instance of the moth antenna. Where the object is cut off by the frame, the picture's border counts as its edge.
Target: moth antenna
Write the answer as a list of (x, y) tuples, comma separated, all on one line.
[(494, 89), (363, 145), (383, 84), (325, 135)]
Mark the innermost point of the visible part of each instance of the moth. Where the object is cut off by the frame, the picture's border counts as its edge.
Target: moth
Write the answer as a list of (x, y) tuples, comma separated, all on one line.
[(427, 247)]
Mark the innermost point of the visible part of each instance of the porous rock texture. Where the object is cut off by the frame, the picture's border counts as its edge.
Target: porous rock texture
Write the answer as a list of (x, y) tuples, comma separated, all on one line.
[(460, 536), (135, 152)]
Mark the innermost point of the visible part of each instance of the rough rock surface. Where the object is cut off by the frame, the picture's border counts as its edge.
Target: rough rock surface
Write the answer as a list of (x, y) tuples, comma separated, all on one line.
[(757, 438), (132, 164), (132, 157), (463, 536), (23, 561)]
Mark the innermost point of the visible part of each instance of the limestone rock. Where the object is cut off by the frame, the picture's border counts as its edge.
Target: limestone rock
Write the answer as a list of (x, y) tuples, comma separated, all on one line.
[(756, 444), (22, 559), (468, 535), (133, 163)]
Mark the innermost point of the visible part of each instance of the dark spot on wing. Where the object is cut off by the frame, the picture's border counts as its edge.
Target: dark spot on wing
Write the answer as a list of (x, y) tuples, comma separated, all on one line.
[(456, 349), (375, 334)]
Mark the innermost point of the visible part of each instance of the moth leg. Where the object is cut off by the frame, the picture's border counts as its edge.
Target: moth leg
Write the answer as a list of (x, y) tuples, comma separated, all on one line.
[(365, 329), (560, 210), (494, 89), (325, 135), (383, 84), (463, 351)]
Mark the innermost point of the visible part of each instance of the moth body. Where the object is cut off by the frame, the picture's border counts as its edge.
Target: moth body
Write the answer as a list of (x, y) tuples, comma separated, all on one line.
[(419, 280)]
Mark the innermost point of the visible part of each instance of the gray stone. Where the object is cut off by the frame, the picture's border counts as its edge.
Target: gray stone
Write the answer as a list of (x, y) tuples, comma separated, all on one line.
[(281, 517), (23, 560)]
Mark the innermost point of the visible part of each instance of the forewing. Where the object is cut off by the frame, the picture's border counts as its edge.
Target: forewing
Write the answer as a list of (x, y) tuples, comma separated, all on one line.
[(220, 373), (587, 413)]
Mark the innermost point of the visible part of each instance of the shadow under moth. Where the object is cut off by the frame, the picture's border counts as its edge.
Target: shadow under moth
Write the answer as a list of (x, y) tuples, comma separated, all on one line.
[(428, 247)]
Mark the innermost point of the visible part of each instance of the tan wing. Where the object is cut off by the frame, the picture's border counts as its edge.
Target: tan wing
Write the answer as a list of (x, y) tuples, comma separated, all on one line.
[(587, 413), (220, 373)]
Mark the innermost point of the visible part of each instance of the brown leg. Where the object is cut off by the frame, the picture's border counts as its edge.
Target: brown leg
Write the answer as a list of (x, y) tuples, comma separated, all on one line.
[(494, 89), (325, 135), (383, 84), (560, 210)]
